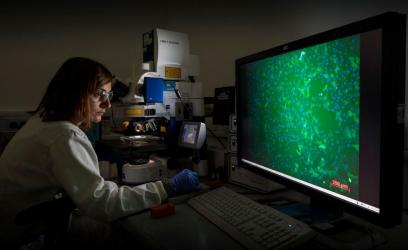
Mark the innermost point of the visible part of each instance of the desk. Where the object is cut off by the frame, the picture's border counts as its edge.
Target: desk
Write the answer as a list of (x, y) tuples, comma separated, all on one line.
[(184, 230), (189, 230)]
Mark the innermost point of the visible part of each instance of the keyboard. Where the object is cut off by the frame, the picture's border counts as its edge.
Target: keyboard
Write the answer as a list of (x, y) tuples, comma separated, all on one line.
[(252, 224)]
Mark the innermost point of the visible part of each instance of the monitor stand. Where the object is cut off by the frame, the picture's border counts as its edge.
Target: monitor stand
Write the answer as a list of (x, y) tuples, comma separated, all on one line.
[(336, 231), (347, 234)]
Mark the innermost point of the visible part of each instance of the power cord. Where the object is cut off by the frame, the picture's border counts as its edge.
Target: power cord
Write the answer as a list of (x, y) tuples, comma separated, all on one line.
[(112, 118), (191, 112)]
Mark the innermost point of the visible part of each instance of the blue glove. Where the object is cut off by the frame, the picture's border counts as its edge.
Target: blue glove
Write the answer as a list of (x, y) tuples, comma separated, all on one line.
[(184, 182)]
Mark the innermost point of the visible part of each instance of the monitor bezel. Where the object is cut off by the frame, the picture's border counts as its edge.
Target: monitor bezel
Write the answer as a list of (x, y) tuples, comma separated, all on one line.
[(199, 136), (392, 86)]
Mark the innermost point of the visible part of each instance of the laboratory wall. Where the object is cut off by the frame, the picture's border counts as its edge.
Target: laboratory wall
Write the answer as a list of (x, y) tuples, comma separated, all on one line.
[(36, 37), (221, 32)]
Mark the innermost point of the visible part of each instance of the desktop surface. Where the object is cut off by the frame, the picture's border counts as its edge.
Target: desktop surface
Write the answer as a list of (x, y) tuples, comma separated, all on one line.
[(187, 229)]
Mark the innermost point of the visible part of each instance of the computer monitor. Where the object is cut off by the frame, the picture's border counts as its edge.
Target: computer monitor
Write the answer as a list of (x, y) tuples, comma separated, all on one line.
[(323, 115), (192, 135)]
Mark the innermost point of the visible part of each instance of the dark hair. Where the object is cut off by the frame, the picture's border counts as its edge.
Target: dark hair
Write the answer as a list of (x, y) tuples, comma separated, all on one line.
[(67, 95)]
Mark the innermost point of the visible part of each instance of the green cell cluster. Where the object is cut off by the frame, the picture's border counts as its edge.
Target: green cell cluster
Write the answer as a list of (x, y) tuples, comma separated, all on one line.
[(304, 113)]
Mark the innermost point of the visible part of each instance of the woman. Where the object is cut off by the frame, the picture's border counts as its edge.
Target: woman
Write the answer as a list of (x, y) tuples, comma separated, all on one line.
[(51, 155)]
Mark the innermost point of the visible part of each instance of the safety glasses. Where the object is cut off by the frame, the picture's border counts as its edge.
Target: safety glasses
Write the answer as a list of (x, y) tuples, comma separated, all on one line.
[(103, 95)]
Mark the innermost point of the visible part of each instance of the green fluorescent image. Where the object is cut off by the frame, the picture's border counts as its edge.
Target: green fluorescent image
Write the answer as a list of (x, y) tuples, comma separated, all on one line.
[(303, 108)]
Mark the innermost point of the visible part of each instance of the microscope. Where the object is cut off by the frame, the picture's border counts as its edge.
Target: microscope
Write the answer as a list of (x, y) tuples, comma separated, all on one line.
[(166, 101)]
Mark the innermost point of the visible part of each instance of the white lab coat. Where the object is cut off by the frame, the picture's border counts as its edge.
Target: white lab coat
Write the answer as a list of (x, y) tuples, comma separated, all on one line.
[(45, 158)]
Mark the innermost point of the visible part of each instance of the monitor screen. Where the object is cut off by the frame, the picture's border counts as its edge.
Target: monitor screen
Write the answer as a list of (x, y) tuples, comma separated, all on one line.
[(320, 114), (192, 135), (189, 134)]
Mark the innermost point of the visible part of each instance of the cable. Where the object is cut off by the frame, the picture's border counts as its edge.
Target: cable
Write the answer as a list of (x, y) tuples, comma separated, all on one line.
[(191, 112), (113, 118)]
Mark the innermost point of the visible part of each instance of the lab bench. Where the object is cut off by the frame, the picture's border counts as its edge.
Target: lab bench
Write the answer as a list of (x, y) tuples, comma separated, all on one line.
[(187, 229)]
